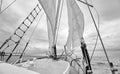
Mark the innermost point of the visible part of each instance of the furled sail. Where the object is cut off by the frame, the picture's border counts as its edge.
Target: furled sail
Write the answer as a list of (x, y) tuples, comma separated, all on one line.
[(76, 24), (49, 7), (52, 14), (56, 20), (50, 34)]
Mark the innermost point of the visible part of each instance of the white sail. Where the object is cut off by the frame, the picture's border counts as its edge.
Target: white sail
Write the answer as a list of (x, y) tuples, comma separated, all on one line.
[(52, 14), (50, 34), (49, 7), (56, 20), (76, 24)]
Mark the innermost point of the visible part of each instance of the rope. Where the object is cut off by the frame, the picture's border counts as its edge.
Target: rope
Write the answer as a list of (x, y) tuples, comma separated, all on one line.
[(100, 38), (76, 59), (61, 54), (56, 21), (35, 28), (29, 38), (97, 34), (7, 47), (7, 6), (85, 3)]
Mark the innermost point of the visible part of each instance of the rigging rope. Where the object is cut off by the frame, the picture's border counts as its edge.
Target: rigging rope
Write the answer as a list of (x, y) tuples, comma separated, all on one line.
[(27, 23), (35, 27), (7, 46), (77, 62), (97, 34), (7, 6), (110, 63), (72, 59), (29, 40)]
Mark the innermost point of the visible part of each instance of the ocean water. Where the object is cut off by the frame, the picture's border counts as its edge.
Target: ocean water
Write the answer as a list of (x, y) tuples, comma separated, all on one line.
[(101, 66), (99, 63)]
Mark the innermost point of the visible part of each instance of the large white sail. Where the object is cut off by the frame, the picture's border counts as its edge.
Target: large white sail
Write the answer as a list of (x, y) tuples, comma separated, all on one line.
[(52, 13), (56, 20), (50, 34), (76, 24), (49, 7)]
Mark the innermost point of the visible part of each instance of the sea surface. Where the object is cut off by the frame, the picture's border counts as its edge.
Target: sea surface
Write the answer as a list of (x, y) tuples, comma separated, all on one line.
[(99, 62)]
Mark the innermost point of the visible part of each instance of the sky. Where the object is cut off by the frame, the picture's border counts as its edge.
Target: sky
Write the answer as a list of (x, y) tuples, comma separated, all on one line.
[(109, 14)]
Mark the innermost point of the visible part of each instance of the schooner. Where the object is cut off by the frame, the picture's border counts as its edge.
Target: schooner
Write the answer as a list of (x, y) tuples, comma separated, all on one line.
[(53, 63)]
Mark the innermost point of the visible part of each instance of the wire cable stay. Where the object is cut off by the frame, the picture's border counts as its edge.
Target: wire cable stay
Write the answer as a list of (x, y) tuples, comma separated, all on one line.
[(110, 63), (98, 17), (23, 28), (7, 6), (20, 57)]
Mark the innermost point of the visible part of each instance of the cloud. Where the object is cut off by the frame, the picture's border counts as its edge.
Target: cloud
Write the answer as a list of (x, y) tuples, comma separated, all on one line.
[(8, 24), (108, 9), (36, 51), (15, 14), (13, 17), (110, 35)]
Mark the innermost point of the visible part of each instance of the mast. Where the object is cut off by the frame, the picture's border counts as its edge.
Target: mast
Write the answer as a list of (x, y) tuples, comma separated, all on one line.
[(88, 68)]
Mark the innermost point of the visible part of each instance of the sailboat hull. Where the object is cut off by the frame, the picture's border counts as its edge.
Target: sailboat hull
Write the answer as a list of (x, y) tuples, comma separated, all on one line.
[(6, 68), (48, 66)]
